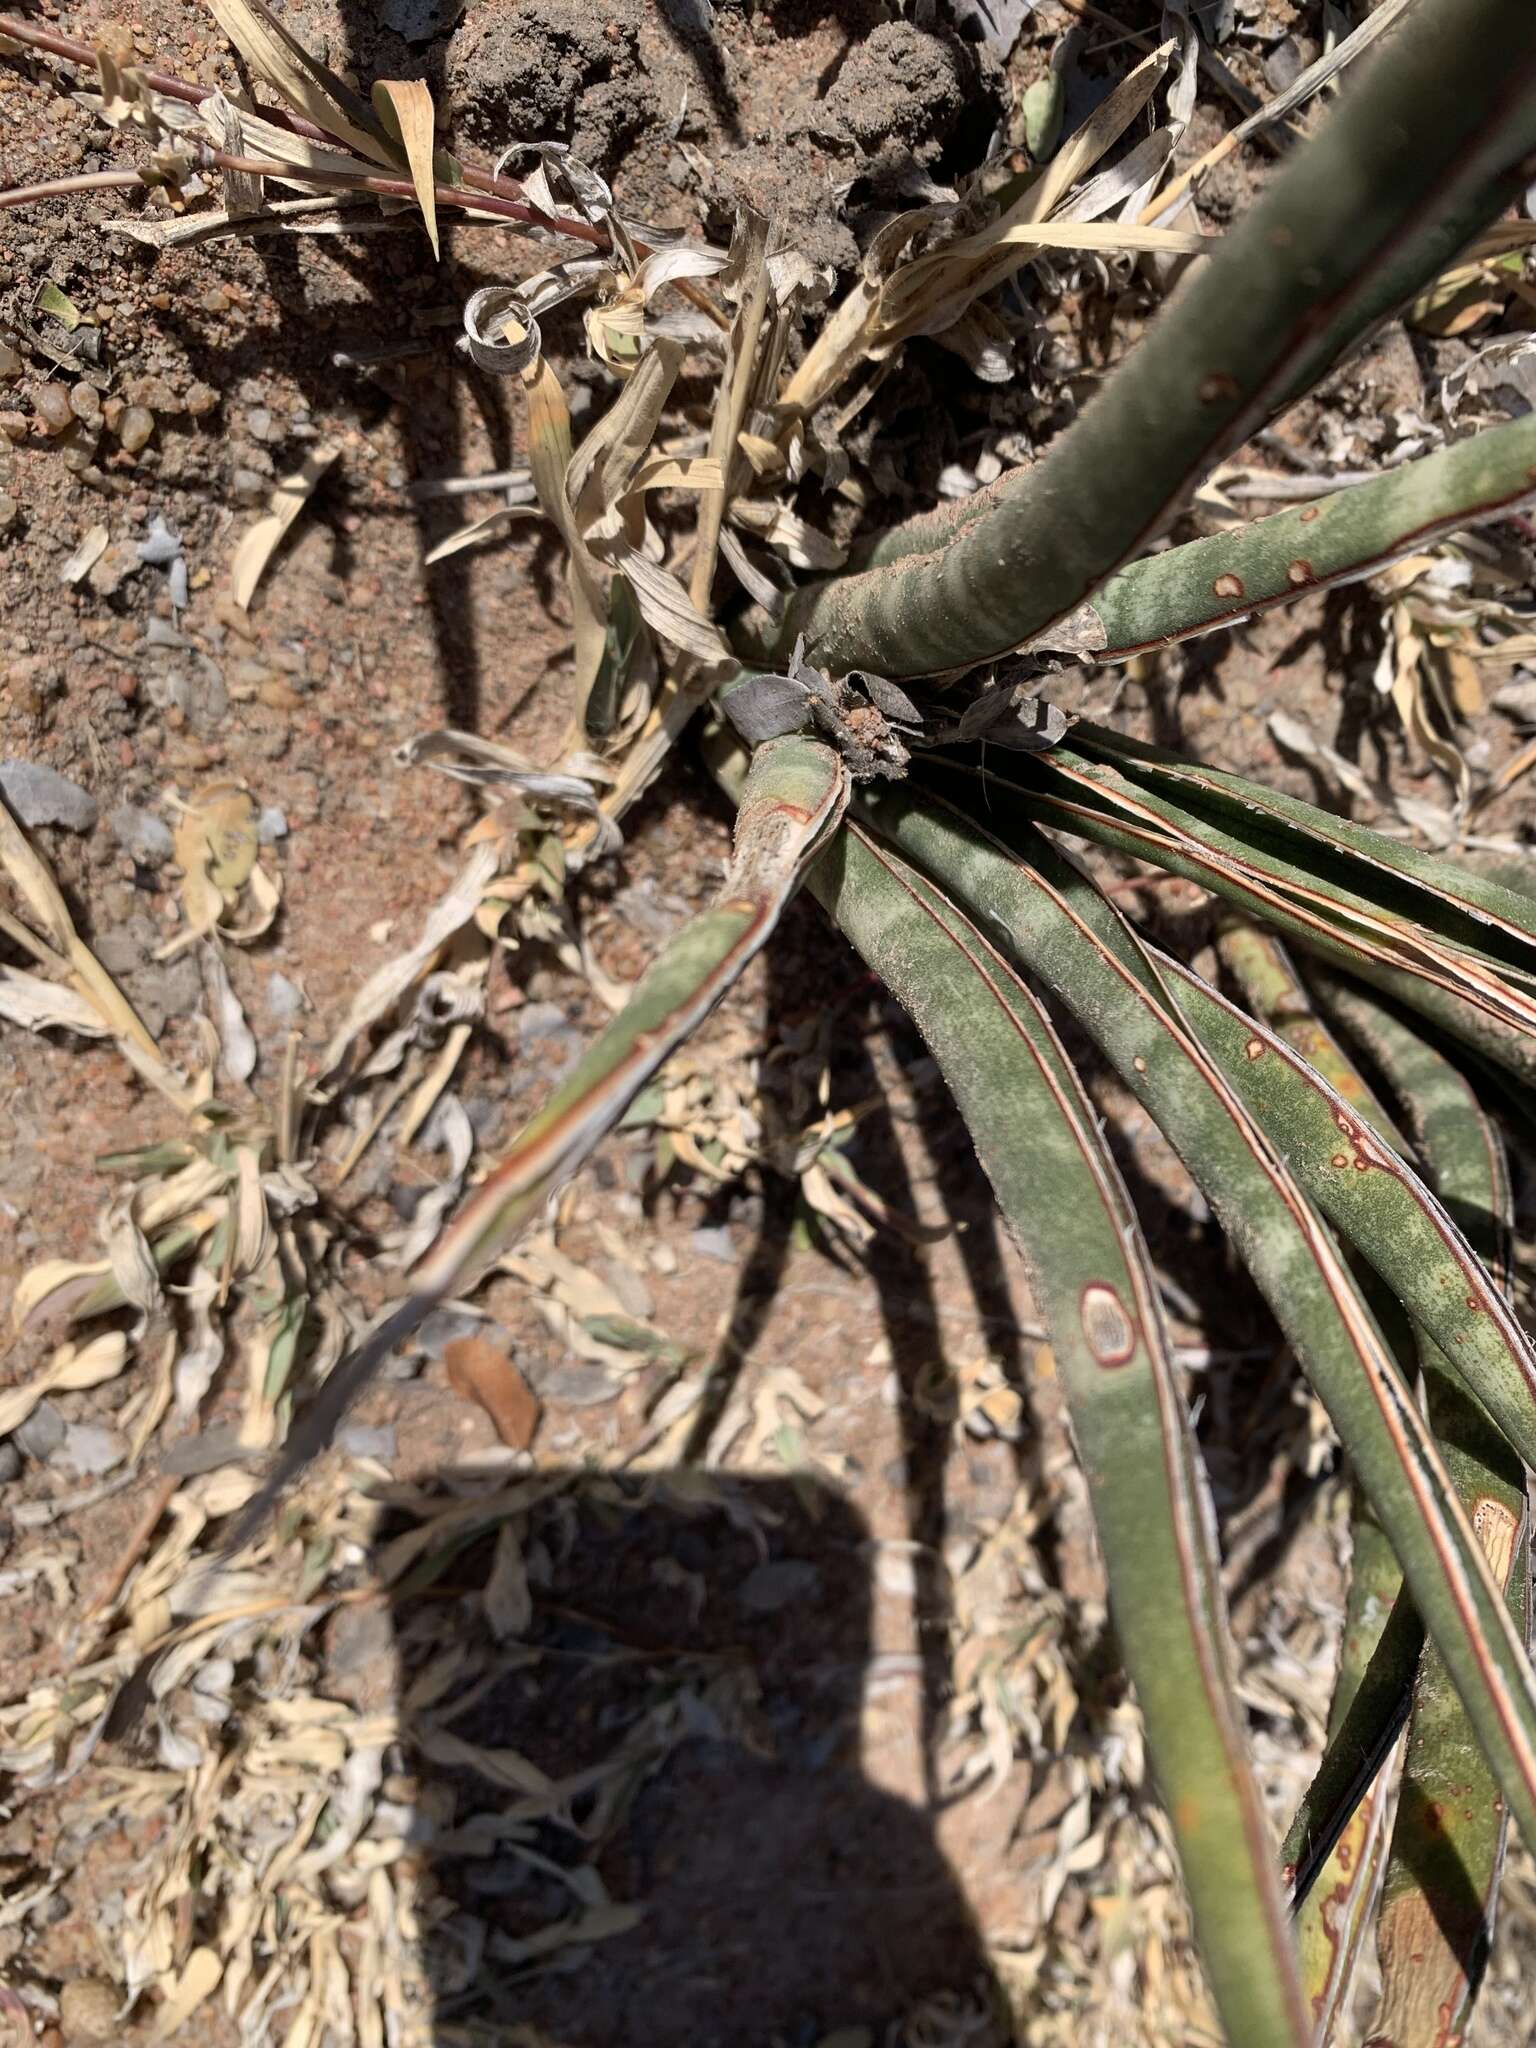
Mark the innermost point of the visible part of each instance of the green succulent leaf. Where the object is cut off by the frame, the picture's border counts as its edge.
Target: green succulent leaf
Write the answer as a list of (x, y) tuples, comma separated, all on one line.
[(1053, 919), (1441, 1885), (1456, 946), (1376, 1200), (1333, 1920), (1335, 539), (1038, 1138)]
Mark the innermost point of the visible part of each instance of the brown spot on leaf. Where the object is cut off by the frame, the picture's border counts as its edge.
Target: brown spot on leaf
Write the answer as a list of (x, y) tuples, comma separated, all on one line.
[(1107, 1326), (1228, 585), (1299, 572), (1219, 388), (1309, 513), (1139, 1064), (1254, 1048), (1340, 1159)]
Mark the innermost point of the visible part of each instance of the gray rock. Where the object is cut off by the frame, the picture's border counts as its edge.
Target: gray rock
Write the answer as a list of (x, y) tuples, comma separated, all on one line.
[(574, 1386), (544, 1023), (714, 1241), (90, 1449), (358, 1440), (142, 835), (176, 583), (284, 998), (41, 796), (42, 1432), (443, 1325), (10, 1461), (772, 1586), (271, 825), (160, 546)]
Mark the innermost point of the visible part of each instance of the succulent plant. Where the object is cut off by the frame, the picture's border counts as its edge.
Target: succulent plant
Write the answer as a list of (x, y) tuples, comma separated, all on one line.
[(1376, 1233), (1379, 1252)]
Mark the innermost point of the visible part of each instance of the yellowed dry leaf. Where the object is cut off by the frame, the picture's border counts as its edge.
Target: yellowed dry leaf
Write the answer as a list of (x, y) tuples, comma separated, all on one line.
[(71, 1369), (289, 497), (406, 114), (301, 79), (186, 1992)]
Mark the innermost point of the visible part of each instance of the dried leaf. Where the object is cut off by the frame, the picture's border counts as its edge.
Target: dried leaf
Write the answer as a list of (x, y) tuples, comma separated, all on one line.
[(39, 1005), (86, 556), (289, 497), (481, 1373), (302, 80), (406, 114), (71, 1369), (51, 300)]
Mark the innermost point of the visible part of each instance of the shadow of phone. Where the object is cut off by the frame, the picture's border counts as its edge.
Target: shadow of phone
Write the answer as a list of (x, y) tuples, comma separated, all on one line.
[(644, 1820)]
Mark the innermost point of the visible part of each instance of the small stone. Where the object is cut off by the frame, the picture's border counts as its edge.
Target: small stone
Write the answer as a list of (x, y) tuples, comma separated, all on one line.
[(159, 546), (284, 998), (440, 1329), (90, 1449), (42, 1432), (108, 573), (201, 400), (271, 825), (10, 363), (360, 1440), (714, 1241), (10, 1461), (259, 424), (249, 487), (770, 1587), (85, 401), (135, 428), (88, 2009), (144, 837), (8, 511), (52, 408), (176, 583), (41, 796)]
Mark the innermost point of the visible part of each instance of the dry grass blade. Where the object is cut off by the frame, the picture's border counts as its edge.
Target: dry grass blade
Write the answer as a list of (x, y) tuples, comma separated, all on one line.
[(300, 79), (406, 114), (260, 543)]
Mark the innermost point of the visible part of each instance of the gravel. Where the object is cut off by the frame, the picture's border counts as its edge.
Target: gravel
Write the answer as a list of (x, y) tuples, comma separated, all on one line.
[(41, 796)]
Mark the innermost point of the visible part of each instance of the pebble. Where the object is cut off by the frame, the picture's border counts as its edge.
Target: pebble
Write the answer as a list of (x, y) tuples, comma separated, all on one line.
[(201, 400), (8, 511), (135, 428), (361, 1440), (142, 835), (249, 487), (85, 401), (112, 569), (90, 1449), (10, 1461), (259, 424), (159, 546), (42, 1432), (714, 1241), (41, 796), (88, 2009), (52, 408), (285, 999), (176, 583), (10, 362), (271, 825)]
